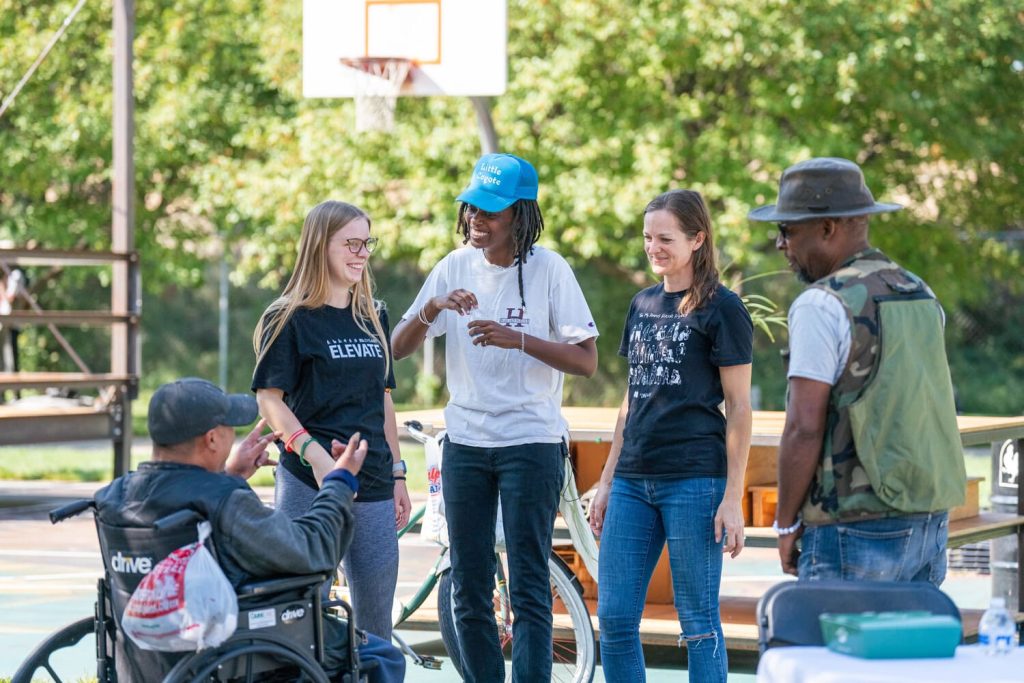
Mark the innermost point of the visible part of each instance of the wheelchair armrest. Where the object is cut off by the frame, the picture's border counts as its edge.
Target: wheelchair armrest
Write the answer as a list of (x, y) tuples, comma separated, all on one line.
[(176, 520), (268, 586)]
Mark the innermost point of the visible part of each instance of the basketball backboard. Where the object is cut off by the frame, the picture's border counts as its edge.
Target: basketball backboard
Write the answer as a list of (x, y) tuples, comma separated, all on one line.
[(458, 47)]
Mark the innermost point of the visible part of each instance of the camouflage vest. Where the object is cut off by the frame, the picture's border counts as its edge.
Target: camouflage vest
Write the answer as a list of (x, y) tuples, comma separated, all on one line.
[(891, 442)]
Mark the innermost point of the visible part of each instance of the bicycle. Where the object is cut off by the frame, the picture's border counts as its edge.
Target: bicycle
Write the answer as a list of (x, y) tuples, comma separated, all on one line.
[(574, 648)]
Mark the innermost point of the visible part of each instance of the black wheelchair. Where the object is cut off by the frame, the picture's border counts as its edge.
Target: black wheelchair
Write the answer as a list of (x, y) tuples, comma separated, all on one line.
[(280, 633)]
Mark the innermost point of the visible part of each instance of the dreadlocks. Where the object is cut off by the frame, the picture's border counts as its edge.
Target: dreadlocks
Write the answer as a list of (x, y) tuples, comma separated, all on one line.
[(527, 224)]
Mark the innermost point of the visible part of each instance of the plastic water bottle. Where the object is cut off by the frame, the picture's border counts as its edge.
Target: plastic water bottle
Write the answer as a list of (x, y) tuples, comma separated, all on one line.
[(996, 631)]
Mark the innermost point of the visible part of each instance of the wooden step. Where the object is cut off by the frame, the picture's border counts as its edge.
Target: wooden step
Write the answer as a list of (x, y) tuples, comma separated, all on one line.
[(70, 318), (45, 380)]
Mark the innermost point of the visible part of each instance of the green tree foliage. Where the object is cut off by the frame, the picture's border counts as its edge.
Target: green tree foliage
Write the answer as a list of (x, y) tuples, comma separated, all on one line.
[(614, 101)]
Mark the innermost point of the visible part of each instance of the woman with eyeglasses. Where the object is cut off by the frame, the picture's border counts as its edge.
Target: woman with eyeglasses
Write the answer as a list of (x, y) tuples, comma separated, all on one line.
[(515, 321), (674, 474), (323, 372)]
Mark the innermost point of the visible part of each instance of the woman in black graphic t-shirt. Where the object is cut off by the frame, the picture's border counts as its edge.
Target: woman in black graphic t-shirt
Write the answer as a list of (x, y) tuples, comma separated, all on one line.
[(675, 470), (324, 372)]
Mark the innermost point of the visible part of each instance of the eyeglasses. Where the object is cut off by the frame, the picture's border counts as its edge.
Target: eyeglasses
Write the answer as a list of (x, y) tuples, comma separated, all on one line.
[(356, 245)]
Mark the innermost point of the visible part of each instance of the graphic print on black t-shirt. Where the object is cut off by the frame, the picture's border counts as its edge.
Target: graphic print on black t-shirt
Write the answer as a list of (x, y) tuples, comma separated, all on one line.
[(354, 348), (674, 428), (657, 345), (333, 379)]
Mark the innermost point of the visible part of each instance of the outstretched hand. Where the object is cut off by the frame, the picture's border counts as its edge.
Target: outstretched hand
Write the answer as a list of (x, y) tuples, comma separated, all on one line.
[(251, 453), (349, 456)]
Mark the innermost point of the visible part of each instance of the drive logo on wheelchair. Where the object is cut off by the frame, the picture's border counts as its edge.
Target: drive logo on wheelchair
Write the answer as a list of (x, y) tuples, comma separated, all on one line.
[(126, 564), (292, 614)]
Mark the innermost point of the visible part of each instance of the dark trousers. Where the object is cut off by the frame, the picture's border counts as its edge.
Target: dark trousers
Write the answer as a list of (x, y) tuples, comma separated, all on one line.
[(529, 478)]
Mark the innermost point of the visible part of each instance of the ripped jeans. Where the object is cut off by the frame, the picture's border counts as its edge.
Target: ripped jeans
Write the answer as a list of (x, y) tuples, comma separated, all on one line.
[(642, 515)]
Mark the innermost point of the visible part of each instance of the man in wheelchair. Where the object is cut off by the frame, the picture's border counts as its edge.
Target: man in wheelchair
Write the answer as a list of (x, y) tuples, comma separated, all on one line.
[(191, 424)]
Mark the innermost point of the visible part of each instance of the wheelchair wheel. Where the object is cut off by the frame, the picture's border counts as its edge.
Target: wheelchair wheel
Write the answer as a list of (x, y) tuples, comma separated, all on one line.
[(45, 659), (574, 650), (237, 654)]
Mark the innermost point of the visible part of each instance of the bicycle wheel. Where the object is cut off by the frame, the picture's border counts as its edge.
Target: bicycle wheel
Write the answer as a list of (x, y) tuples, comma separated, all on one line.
[(47, 658), (574, 650)]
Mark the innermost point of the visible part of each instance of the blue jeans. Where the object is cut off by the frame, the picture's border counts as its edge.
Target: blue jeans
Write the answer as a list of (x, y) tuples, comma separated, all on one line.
[(906, 548), (390, 660), (642, 515), (529, 479)]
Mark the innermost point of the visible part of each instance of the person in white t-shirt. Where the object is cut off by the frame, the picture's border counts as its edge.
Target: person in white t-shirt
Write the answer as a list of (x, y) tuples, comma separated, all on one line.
[(516, 321)]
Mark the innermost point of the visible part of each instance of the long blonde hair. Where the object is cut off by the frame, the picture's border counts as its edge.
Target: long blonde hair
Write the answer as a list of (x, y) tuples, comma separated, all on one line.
[(310, 285)]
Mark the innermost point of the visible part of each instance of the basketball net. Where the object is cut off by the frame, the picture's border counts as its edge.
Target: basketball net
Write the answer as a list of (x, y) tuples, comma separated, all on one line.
[(378, 81)]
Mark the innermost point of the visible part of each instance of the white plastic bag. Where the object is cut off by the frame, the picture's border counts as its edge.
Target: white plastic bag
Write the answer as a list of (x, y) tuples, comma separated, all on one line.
[(185, 604), (434, 527)]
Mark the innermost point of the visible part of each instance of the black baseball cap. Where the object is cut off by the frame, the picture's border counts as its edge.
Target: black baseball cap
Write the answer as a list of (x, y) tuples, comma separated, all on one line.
[(189, 407)]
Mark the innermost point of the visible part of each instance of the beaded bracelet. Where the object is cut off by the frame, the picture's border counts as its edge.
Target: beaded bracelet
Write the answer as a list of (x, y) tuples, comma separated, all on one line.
[(786, 531), (522, 342)]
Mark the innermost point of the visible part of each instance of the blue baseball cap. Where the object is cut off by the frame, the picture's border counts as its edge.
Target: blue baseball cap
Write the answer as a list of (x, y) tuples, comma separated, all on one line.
[(498, 181)]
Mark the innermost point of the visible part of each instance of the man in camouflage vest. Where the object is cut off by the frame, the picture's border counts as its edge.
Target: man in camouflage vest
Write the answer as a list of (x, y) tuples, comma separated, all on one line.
[(870, 460)]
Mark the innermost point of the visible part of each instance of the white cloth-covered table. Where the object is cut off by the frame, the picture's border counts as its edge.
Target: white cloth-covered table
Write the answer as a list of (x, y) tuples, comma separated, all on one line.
[(821, 665)]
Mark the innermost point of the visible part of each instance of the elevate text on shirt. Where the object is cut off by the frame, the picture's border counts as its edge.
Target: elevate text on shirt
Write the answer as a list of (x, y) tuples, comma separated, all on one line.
[(355, 350)]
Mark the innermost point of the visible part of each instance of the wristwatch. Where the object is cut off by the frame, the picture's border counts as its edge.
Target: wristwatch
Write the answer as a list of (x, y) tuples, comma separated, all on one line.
[(398, 467)]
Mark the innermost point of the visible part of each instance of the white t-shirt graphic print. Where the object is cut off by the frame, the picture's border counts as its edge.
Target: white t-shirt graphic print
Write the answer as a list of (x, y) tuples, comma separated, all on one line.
[(502, 397)]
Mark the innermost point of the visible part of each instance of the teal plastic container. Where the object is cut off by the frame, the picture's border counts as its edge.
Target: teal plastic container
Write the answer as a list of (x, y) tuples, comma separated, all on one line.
[(891, 635)]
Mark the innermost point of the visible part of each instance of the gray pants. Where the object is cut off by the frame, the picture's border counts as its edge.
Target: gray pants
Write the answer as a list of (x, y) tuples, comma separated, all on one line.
[(371, 563)]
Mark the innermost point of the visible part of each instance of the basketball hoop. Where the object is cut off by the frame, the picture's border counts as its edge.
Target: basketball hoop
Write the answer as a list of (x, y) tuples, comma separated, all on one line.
[(378, 81)]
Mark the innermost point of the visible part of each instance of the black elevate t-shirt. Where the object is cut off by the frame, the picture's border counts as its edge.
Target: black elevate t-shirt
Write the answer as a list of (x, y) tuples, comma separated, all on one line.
[(332, 376), (674, 428)]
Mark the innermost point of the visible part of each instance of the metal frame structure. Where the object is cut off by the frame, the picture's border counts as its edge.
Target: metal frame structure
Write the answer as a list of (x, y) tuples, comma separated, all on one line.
[(112, 418)]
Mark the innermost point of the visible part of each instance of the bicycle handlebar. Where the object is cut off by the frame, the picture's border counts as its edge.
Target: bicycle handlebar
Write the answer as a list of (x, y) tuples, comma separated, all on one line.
[(419, 432)]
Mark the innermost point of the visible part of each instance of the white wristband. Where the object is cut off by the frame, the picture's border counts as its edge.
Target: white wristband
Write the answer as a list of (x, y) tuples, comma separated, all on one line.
[(786, 531)]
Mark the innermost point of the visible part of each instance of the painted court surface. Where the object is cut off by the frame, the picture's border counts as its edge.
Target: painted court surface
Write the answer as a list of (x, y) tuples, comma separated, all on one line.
[(48, 575)]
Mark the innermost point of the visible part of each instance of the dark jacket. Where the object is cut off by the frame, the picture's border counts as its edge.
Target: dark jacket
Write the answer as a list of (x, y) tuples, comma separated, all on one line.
[(252, 540)]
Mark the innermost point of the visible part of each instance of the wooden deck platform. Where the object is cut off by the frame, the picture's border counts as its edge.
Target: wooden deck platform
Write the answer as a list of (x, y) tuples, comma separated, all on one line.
[(52, 420), (659, 625), (52, 423), (591, 431)]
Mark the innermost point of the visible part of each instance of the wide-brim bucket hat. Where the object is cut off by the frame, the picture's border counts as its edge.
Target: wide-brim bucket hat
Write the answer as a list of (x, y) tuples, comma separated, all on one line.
[(825, 187)]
